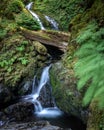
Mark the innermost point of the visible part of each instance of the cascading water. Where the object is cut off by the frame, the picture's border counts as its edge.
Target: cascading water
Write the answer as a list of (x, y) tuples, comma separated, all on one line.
[(28, 7), (53, 23), (52, 113), (33, 97)]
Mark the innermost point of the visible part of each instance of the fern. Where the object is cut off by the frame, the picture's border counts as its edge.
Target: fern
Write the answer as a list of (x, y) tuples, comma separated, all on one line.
[(90, 64)]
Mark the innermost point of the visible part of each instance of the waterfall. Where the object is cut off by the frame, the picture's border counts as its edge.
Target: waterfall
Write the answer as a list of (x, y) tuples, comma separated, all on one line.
[(52, 22), (28, 7), (40, 109), (43, 80), (37, 86)]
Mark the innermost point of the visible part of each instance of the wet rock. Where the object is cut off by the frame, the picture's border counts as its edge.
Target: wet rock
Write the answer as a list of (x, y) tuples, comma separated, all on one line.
[(40, 125), (67, 97), (20, 111), (5, 96), (3, 118), (46, 97), (25, 88)]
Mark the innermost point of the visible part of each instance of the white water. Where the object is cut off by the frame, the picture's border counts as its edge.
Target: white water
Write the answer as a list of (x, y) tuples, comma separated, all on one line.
[(33, 97), (34, 15), (49, 112), (52, 22), (37, 86)]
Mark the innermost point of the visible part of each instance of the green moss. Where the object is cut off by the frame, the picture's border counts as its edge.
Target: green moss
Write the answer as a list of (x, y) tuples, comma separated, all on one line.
[(10, 8), (18, 59), (40, 48), (65, 92)]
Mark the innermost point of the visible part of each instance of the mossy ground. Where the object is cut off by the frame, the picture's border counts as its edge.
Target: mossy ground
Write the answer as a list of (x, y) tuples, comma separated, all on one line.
[(18, 56)]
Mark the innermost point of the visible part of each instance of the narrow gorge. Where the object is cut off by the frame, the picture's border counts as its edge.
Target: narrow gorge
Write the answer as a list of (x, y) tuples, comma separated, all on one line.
[(44, 72)]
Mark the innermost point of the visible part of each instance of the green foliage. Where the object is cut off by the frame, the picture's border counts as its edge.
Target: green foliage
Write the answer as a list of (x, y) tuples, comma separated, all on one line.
[(6, 63), (90, 65), (6, 27), (8, 59), (15, 6), (93, 11), (23, 60), (3, 33), (11, 7), (61, 10), (27, 21)]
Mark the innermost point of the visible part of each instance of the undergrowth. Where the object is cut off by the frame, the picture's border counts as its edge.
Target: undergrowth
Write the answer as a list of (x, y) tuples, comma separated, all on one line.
[(89, 67)]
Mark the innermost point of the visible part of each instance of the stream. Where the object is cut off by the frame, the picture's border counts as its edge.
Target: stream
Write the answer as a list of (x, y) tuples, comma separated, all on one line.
[(45, 107), (51, 112)]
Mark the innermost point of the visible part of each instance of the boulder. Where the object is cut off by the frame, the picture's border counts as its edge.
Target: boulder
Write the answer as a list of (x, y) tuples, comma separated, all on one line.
[(46, 97), (5, 96), (21, 111), (25, 88), (40, 48), (40, 125), (67, 97)]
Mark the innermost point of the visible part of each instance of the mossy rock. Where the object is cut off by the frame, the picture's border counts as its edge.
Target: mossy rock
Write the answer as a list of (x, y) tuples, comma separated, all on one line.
[(96, 117), (67, 97), (41, 49), (19, 59)]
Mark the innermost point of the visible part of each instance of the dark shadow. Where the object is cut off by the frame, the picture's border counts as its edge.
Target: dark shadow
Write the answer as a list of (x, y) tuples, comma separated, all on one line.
[(54, 52)]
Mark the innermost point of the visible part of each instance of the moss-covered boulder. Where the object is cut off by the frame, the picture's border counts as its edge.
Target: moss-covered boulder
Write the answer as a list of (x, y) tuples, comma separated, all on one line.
[(40, 48), (68, 98)]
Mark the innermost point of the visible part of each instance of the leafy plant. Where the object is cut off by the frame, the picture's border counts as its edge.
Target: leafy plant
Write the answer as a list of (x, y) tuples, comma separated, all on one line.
[(90, 65), (3, 33), (23, 60), (11, 7), (20, 48), (27, 21), (61, 10)]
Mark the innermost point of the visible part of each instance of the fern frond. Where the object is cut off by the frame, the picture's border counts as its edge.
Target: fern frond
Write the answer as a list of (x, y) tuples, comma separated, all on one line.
[(89, 94), (90, 64)]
